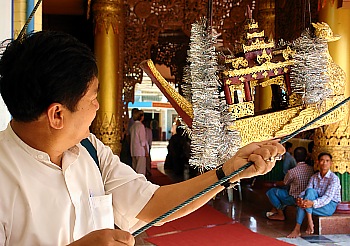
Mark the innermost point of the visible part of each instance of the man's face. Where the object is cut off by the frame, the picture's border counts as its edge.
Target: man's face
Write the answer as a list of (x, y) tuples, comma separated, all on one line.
[(325, 163), (78, 122)]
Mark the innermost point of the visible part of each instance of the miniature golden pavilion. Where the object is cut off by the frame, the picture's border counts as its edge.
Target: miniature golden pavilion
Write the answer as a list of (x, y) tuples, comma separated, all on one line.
[(259, 63)]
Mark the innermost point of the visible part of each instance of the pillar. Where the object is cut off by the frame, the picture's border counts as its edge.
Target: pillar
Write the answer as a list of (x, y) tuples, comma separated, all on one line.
[(108, 18), (335, 138), (266, 20)]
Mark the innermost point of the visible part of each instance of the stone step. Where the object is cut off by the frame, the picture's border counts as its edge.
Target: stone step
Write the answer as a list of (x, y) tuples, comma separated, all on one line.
[(335, 224)]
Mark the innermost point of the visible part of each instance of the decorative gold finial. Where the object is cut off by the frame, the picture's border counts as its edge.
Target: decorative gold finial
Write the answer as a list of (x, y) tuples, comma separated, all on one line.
[(323, 31)]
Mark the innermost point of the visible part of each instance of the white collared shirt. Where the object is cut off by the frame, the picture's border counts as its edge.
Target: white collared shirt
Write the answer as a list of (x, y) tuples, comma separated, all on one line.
[(43, 204)]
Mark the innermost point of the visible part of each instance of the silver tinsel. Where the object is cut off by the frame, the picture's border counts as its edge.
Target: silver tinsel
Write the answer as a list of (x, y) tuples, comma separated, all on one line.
[(186, 85), (309, 75), (212, 144), (3, 45)]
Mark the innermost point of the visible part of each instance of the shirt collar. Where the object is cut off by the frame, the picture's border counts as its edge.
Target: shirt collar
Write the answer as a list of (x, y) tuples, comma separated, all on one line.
[(328, 174), (40, 156)]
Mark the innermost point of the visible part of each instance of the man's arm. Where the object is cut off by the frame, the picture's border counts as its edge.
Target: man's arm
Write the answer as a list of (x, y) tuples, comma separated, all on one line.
[(106, 237), (170, 196)]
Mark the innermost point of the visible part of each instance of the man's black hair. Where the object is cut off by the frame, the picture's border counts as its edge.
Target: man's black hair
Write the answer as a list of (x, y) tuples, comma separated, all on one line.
[(288, 145), (43, 68), (300, 154), (324, 153)]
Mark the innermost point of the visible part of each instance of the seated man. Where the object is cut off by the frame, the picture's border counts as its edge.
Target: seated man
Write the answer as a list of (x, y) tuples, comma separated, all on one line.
[(297, 178), (320, 197), (288, 160)]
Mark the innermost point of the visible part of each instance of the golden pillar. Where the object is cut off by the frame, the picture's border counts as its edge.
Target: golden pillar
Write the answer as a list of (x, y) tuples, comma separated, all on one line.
[(108, 17), (266, 20), (335, 138)]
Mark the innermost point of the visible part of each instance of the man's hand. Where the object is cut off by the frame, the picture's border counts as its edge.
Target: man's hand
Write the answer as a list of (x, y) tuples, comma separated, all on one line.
[(106, 237), (299, 202), (304, 203), (259, 153)]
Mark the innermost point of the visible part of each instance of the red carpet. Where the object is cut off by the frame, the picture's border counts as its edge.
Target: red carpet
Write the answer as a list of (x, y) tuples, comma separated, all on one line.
[(222, 235), (203, 217), (159, 178), (207, 227), (154, 164)]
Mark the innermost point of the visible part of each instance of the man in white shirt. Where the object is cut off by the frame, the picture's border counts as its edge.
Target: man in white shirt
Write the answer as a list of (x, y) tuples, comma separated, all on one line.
[(138, 143), (52, 192)]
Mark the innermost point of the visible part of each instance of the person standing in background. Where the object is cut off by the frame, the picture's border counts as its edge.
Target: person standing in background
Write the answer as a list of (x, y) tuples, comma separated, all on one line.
[(149, 139), (131, 120), (125, 154), (138, 143)]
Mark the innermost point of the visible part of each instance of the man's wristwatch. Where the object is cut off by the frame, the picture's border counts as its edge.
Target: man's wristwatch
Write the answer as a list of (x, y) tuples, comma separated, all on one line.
[(220, 175)]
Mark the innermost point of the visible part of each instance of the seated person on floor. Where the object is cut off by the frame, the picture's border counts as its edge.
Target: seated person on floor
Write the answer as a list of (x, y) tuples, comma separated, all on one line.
[(320, 198), (288, 160), (296, 179)]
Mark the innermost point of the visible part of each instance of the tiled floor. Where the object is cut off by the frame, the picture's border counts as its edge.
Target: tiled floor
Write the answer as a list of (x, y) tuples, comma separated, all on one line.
[(252, 216)]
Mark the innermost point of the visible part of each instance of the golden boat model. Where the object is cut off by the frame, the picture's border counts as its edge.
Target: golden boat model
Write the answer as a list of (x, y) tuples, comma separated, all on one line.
[(260, 64)]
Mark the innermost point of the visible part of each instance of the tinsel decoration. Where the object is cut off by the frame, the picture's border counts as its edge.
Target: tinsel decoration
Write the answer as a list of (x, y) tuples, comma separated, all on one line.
[(212, 143), (186, 85), (3, 45), (309, 75)]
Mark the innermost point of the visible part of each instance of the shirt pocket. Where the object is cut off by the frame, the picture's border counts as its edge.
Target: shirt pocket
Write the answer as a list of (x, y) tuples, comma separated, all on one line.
[(102, 211)]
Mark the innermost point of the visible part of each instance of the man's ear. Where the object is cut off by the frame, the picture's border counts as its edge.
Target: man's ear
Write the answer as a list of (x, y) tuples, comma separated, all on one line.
[(55, 115)]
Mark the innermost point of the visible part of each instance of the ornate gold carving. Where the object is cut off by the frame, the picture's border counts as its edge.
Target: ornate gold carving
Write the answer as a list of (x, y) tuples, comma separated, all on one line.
[(288, 53), (242, 109), (107, 13), (256, 34), (334, 139), (295, 100), (264, 57), (267, 66), (337, 77), (254, 83), (237, 62), (257, 45), (263, 127), (313, 111), (180, 100), (268, 126), (105, 127), (323, 31), (253, 25), (279, 80), (237, 87)]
